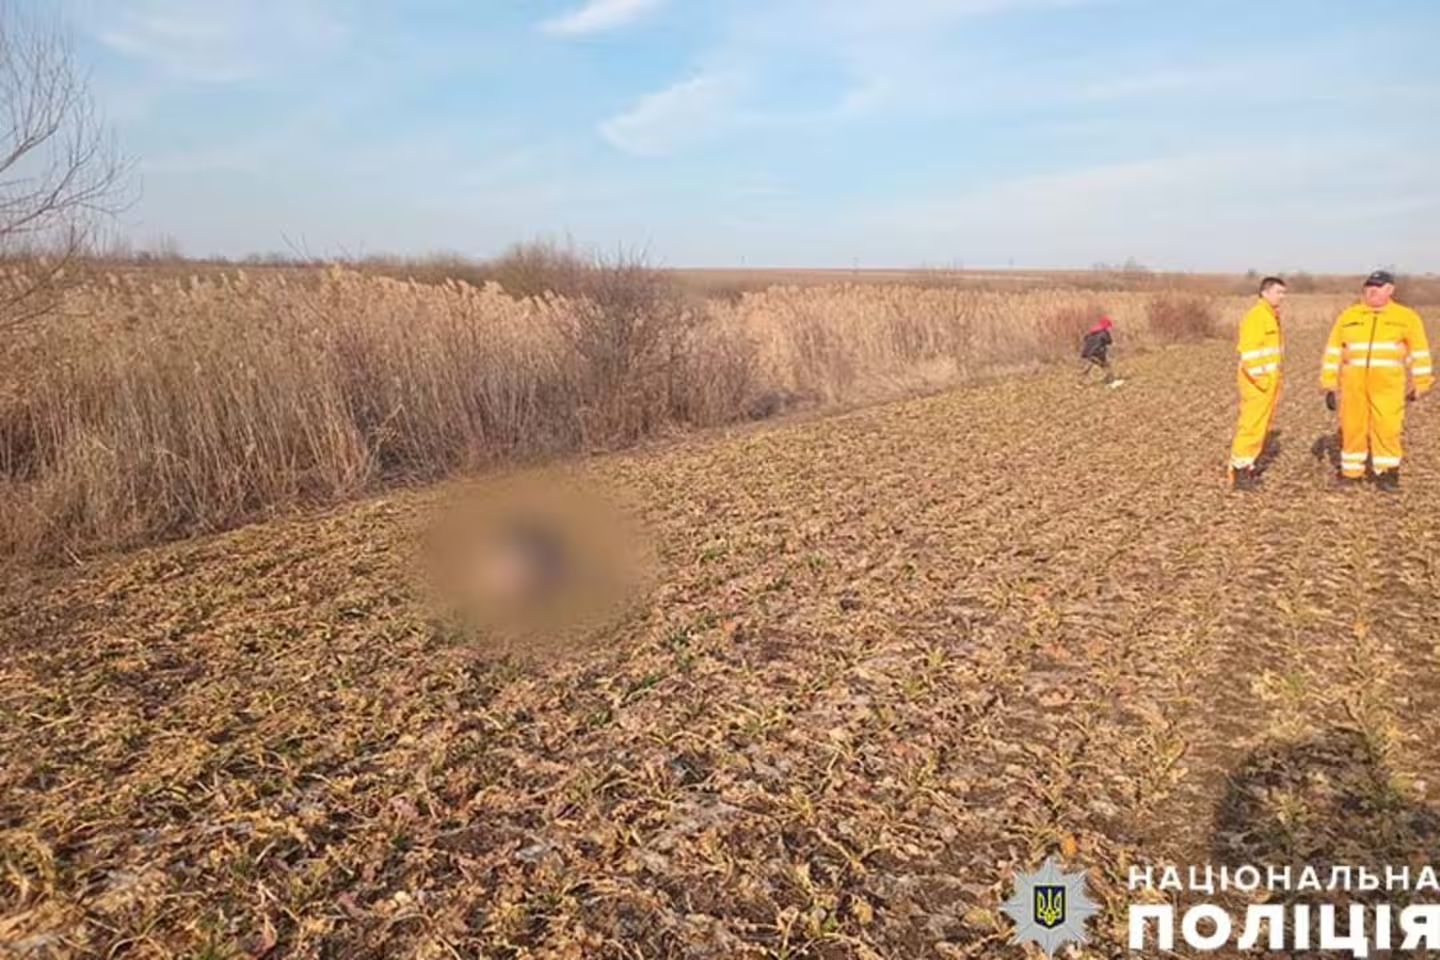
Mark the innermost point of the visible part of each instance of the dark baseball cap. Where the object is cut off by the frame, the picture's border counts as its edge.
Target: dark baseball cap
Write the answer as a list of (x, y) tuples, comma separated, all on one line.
[(1379, 278)]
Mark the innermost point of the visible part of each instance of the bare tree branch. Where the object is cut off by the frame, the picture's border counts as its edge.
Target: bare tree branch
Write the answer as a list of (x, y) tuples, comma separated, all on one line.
[(61, 176)]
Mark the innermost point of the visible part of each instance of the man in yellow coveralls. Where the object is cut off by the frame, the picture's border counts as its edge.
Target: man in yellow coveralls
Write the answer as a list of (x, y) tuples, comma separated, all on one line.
[(1258, 378), (1375, 347)]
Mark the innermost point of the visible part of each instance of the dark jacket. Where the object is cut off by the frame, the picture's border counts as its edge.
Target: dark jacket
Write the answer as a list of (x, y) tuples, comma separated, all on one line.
[(1097, 342)]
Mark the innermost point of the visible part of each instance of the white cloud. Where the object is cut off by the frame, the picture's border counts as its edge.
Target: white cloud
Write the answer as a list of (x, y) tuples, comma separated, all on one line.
[(687, 114), (770, 63), (598, 16), (221, 41)]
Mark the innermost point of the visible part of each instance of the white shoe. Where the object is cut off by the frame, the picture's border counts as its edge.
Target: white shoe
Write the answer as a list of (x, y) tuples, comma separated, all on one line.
[(1115, 383)]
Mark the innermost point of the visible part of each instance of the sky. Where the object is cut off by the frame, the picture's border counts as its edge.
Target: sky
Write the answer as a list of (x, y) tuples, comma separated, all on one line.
[(1205, 134)]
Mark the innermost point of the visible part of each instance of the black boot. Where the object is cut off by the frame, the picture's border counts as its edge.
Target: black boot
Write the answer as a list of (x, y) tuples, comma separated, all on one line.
[(1244, 479), (1389, 481), (1342, 482)]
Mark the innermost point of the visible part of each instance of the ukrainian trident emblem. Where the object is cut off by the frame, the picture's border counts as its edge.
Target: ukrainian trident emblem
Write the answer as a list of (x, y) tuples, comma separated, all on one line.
[(1049, 907)]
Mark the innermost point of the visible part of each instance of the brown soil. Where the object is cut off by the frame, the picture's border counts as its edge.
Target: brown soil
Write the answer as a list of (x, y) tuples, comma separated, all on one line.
[(890, 656)]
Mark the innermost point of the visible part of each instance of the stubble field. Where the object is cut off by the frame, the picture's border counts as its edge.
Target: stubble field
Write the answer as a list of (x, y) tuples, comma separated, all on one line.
[(889, 657)]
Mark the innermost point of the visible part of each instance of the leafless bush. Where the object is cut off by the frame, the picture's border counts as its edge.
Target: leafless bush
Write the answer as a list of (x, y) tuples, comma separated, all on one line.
[(1060, 331), (627, 330), (1419, 291), (1175, 318), (539, 267)]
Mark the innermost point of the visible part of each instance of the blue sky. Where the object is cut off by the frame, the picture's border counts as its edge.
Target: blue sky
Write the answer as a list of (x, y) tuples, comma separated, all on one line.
[(1206, 134)]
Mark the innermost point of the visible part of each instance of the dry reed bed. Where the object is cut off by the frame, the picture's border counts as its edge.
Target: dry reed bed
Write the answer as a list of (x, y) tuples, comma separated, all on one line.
[(161, 407)]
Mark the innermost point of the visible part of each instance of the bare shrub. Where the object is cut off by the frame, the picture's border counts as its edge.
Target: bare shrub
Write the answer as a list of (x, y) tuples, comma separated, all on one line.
[(1418, 290), (538, 267), (1175, 318), (625, 331), (1060, 331)]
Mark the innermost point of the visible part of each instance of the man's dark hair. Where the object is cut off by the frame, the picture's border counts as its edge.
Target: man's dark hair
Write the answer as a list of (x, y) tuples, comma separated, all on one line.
[(1269, 282)]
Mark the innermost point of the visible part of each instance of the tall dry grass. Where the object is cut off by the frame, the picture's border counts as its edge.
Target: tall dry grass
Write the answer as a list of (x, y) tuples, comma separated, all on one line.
[(848, 343), (161, 406)]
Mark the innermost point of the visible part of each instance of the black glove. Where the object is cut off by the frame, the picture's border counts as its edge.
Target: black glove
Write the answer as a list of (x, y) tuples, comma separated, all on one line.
[(1330, 400), (1411, 397)]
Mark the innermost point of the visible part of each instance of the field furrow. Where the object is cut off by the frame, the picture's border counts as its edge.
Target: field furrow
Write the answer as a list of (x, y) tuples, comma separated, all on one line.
[(887, 657)]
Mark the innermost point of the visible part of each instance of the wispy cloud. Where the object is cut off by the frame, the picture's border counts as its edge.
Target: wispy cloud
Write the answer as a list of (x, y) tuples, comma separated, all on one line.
[(762, 70), (598, 16), (684, 115), (221, 41)]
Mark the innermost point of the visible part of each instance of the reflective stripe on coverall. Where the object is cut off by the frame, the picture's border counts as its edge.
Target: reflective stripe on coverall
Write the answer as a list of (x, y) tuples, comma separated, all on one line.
[(1366, 359), (1258, 378)]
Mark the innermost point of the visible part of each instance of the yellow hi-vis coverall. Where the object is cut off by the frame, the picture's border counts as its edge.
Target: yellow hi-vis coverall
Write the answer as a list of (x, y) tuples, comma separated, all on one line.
[(1258, 378), (1367, 358)]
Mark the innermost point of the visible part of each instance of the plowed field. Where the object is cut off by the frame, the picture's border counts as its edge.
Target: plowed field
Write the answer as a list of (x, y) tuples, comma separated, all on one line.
[(890, 656)]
